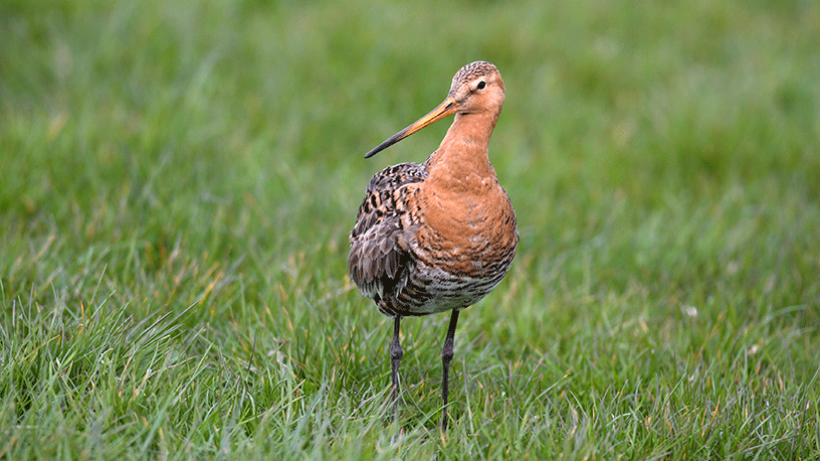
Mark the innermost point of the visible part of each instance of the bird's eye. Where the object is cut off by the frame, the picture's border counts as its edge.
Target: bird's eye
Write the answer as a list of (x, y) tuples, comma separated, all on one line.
[(481, 85)]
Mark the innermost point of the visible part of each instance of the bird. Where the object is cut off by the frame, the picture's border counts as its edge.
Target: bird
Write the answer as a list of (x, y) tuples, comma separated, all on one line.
[(437, 236)]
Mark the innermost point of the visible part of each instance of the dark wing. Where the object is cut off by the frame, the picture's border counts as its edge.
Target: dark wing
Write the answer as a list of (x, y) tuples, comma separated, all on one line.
[(378, 259)]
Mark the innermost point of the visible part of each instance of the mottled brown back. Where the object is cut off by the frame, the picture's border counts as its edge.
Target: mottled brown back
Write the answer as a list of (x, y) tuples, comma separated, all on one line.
[(378, 258)]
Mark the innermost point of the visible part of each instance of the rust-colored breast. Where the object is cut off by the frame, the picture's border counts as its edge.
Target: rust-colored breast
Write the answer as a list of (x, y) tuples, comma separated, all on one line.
[(469, 234)]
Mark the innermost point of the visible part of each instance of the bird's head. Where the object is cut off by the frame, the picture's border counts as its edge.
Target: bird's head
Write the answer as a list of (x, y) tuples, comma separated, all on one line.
[(476, 88)]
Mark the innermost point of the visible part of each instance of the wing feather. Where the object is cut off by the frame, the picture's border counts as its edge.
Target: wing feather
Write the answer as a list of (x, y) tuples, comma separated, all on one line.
[(378, 260)]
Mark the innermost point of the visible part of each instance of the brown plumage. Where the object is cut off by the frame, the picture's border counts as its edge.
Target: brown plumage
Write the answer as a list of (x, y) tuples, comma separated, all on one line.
[(438, 236)]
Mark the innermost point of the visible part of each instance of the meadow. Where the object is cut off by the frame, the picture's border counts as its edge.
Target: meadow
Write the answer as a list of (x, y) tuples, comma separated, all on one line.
[(179, 179)]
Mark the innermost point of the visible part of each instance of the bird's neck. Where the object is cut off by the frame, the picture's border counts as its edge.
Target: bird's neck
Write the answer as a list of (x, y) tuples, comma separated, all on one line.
[(461, 163)]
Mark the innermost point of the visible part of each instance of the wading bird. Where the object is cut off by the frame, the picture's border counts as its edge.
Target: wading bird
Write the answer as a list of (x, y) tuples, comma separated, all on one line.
[(437, 236)]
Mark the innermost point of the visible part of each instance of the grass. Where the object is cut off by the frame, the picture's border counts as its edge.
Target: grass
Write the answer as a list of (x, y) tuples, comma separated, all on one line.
[(179, 180)]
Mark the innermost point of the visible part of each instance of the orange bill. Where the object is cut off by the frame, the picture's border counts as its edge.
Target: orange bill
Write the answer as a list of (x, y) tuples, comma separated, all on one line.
[(444, 109)]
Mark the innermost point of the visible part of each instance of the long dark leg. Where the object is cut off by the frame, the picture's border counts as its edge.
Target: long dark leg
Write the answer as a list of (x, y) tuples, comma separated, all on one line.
[(446, 358), (395, 355)]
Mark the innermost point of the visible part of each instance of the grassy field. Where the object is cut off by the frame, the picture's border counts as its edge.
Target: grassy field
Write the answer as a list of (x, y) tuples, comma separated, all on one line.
[(179, 179)]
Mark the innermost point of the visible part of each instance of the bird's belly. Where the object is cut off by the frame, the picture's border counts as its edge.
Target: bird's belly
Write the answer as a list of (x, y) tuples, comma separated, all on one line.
[(431, 289)]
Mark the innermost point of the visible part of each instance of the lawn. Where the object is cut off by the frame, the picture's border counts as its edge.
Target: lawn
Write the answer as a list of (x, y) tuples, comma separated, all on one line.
[(179, 179)]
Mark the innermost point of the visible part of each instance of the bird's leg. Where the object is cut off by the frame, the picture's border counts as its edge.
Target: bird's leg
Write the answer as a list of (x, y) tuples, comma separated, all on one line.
[(446, 358), (395, 355)]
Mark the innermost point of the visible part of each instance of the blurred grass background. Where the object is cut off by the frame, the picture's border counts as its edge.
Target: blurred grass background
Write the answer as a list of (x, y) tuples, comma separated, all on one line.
[(179, 180)]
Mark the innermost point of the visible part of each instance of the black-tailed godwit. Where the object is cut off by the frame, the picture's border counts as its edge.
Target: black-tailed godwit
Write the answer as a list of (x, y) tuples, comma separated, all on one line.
[(438, 236)]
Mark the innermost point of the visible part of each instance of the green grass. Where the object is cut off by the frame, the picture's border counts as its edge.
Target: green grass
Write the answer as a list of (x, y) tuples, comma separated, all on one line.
[(179, 180)]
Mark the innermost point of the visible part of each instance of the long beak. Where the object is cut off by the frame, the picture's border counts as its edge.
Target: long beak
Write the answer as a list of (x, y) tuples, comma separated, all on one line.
[(444, 109)]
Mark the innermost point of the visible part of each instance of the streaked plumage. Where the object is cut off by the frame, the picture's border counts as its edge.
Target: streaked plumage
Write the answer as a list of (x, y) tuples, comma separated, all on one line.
[(438, 236)]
